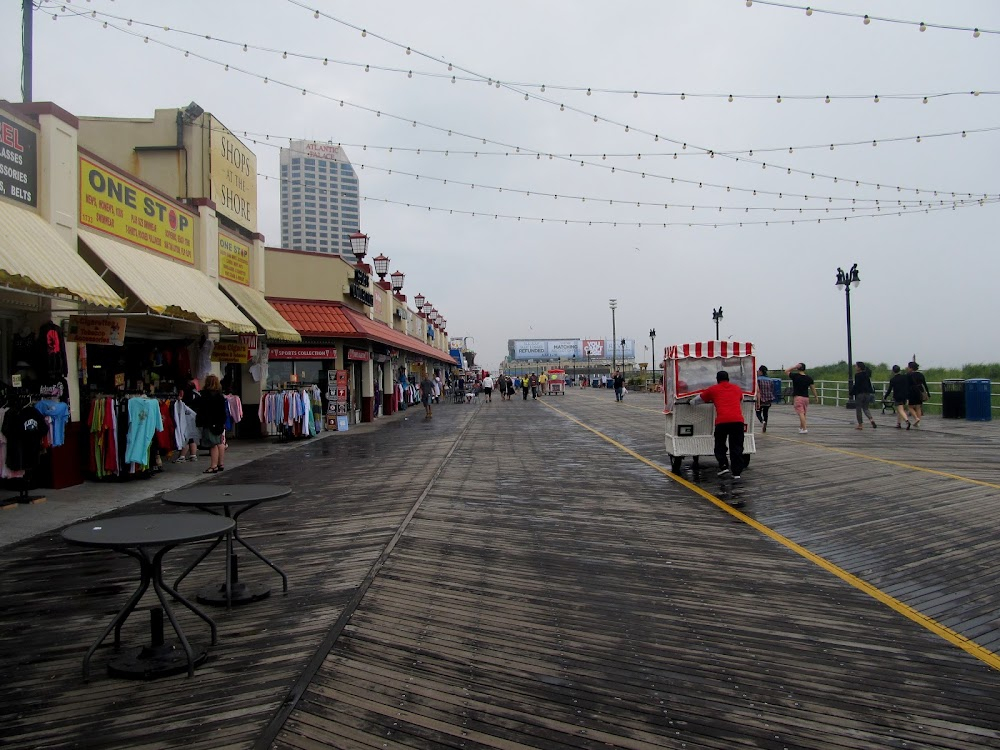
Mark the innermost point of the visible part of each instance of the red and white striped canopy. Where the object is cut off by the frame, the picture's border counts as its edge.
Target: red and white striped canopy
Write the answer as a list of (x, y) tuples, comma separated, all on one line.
[(710, 350)]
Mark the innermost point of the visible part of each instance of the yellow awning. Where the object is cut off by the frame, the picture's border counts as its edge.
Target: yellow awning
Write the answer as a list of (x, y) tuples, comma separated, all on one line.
[(35, 258), (258, 308), (166, 287)]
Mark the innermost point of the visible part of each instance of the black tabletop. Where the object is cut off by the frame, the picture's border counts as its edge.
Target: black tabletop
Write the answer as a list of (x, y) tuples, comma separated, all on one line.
[(226, 494), (156, 529)]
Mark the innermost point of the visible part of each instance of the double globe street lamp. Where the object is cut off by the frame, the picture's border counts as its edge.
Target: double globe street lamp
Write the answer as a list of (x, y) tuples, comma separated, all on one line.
[(613, 304), (717, 316), (845, 281), (652, 342)]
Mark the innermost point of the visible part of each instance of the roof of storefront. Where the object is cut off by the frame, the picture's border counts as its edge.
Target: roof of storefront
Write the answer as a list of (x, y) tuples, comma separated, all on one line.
[(253, 303), (165, 287), (34, 257), (319, 318)]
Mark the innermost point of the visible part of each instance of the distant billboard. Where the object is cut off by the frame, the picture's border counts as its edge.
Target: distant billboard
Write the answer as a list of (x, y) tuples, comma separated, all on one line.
[(523, 349), (527, 349)]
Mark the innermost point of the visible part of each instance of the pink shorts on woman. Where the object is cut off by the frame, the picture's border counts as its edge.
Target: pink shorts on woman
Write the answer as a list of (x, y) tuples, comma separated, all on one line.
[(801, 404)]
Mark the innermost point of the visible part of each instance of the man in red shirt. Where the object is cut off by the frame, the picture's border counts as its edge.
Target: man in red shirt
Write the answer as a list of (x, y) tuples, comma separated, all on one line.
[(729, 424)]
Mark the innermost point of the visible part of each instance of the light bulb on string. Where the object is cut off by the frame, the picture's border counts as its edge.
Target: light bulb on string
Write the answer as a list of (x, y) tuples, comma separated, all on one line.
[(562, 108), (326, 61), (866, 20), (244, 48), (730, 97), (409, 74), (876, 98), (975, 33), (364, 33), (595, 118), (407, 50), (316, 14), (635, 94), (779, 98), (925, 100), (809, 11), (827, 99), (923, 26), (367, 68), (453, 79), (683, 97)]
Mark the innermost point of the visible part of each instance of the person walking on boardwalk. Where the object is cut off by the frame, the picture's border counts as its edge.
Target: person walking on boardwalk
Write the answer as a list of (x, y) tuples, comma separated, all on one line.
[(427, 395), (488, 388), (765, 396), (533, 381), (619, 383), (864, 393), (918, 392), (525, 385), (802, 388), (899, 387), (729, 425)]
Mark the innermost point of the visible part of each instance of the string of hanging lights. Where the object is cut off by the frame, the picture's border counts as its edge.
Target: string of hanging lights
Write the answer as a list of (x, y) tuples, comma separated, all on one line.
[(541, 87), (538, 154), (863, 202), (704, 224), (866, 18)]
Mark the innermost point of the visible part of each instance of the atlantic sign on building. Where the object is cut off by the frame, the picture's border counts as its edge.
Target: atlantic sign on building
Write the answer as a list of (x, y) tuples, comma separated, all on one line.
[(525, 349)]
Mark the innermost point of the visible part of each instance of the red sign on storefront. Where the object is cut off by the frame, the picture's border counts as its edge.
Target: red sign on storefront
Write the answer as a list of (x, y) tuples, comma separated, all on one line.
[(301, 352), (358, 355)]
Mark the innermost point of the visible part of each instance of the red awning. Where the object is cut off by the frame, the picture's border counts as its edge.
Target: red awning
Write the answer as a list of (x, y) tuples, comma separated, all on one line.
[(333, 319)]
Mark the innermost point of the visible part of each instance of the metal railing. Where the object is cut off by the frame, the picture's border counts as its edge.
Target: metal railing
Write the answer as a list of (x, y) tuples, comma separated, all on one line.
[(834, 393)]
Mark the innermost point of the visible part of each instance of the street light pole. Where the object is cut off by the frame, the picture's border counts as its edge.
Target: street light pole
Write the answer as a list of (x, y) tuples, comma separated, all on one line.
[(623, 355), (845, 281), (652, 340), (717, 316), (613, 304), (574, 370)]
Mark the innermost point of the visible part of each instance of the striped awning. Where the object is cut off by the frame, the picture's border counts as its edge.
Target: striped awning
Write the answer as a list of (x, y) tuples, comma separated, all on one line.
[(276, 328), (34, 257), (710, 350), (165, 287)]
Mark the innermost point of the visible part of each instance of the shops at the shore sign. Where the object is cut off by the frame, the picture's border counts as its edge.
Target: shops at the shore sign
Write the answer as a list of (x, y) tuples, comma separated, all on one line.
[(117, 206)]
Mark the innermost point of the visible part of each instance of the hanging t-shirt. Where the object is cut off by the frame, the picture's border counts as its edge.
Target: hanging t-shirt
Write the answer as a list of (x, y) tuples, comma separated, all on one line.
[(58, 412), (24, 430), (50, 355), (143, 422)]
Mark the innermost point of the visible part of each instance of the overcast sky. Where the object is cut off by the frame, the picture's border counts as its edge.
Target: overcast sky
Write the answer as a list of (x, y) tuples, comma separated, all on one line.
[(928, 280)]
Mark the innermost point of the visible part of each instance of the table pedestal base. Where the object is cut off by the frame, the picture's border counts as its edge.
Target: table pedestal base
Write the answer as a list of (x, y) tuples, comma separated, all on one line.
[(150, 662), (242, 593)]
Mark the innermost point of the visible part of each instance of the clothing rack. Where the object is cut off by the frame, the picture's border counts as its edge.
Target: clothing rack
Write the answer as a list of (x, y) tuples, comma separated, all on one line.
[(18, 398)]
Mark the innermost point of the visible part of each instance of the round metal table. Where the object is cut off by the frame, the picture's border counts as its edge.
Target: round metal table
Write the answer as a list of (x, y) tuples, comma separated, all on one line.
[(148, 539), (221, 499)]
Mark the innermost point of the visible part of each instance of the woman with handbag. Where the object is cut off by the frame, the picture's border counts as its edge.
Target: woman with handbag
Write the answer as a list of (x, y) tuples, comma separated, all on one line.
[(918, 392)]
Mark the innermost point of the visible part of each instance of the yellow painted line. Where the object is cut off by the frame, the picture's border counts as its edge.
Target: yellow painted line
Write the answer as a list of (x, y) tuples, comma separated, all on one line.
[(984, 655)]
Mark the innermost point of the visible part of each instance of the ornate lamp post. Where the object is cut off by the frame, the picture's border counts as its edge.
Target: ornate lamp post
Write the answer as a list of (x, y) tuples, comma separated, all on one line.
[(574, 369), (652, 340), (717, 316), (419, 301), (845, 281), (623, 356), (613, 304), (398, 277), (359, 246)]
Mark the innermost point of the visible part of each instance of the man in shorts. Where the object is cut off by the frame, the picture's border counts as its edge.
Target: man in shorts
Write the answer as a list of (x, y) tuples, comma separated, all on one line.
[(802, 387)]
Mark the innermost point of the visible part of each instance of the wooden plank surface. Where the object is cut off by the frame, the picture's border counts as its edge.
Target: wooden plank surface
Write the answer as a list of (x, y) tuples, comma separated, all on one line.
[(501, 577)]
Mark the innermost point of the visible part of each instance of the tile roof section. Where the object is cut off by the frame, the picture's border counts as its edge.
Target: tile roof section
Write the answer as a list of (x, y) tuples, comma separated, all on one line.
[(319, 318)]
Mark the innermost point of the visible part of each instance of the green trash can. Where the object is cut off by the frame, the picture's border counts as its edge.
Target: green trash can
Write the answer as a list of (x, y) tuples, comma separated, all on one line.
[(953, 399), (978, 407)]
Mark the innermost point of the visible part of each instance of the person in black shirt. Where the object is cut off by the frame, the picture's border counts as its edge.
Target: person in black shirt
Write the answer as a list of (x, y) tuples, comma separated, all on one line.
[(918, 389), (619, 383), (863, 392), (802, 387), (899, 387)]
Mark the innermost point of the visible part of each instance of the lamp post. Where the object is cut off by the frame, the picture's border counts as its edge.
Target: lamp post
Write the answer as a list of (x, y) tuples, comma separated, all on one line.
[(574, 369), (652, 343), (623, 356), (717, 316), (588, 366), (613, 304), (398, 277), (359, 246), (845, 281)]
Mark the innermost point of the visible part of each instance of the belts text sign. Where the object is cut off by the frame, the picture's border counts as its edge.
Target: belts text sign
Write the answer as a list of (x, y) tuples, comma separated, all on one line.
[(119, 207), (232, 174), (18, 162), (234, 260)]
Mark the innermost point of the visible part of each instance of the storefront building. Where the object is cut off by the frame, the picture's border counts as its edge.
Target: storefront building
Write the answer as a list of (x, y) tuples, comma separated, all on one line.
[(350, 325), (127, 266)]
